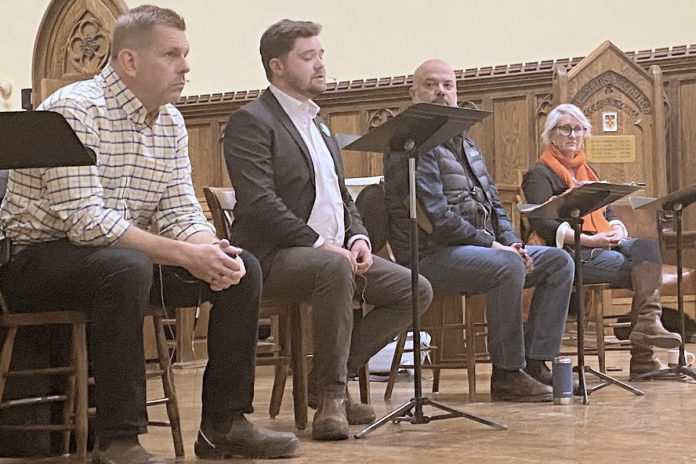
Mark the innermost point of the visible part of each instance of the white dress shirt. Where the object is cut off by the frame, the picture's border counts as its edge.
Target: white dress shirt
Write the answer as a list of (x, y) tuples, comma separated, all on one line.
[(327, 216)]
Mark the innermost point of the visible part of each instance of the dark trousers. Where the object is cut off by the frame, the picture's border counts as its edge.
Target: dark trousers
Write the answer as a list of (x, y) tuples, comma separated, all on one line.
[(325, 279), (228, 381), (112, 285)]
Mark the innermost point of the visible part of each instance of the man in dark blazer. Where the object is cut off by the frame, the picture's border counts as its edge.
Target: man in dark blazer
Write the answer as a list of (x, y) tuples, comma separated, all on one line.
[(296, 215)]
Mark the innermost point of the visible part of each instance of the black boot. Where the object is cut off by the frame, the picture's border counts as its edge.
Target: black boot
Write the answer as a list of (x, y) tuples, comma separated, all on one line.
[(242, 438), (122, 450)]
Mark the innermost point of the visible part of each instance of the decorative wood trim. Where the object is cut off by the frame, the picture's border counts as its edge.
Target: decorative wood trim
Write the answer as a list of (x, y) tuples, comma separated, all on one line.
[(73, 41), (474, 81)]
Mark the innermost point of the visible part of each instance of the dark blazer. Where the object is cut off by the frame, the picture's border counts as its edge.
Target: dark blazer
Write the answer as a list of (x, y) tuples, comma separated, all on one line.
[(539, 184), (271, 171)]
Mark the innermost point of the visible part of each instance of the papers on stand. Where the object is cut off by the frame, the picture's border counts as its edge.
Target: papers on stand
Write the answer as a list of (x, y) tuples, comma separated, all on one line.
[(585, 198)]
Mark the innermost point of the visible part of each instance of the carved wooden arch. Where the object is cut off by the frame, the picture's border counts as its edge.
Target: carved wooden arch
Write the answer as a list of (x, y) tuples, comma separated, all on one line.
[(73, 42), (608, 80)]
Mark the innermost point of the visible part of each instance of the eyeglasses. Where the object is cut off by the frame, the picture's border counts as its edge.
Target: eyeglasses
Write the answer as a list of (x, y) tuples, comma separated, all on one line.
[(566, 130)]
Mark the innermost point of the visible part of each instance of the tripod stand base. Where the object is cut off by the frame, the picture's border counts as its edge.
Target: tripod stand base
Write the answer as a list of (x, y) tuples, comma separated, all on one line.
[(671, 373), (606, 381), (406, 413)]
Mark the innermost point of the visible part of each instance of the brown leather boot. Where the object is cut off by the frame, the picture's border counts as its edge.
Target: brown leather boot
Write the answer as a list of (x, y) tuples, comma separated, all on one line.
[(516, 385), (356, 412), (539, 371), (330, 421), (647, 329), (644, 361)]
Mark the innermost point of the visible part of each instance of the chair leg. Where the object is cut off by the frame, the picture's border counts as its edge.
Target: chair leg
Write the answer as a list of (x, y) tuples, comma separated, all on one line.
[(168, 386), (396, 363), (6, 357), (299, 367), (79, 353), (281, 374), (364, 382), (436, 378), (69, 405), (599, 329), (470, 351)]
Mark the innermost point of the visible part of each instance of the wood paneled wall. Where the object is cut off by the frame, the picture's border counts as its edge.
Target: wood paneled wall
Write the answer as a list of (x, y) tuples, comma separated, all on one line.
[(520, 96)]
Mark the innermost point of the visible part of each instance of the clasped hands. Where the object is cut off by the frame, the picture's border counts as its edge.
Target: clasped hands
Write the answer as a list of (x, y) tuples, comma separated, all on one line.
[(359, 255), (218, 264), (604, 239), (521, 252)]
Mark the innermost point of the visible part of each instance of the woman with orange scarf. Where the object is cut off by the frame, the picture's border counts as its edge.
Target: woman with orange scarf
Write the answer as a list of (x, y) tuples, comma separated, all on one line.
[(608, 254)]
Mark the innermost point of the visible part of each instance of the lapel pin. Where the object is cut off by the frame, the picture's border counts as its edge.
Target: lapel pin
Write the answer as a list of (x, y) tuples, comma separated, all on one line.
[(325, 129)]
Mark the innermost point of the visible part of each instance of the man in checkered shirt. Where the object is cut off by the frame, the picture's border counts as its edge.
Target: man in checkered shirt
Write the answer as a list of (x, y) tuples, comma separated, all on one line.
[(87, 237)]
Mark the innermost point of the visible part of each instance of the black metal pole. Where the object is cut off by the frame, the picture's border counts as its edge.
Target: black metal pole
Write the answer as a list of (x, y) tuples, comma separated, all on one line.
[(417, 384), (412, 410)]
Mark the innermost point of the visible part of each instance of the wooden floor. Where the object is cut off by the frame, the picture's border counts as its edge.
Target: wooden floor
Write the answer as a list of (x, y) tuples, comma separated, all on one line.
[(616, 427)]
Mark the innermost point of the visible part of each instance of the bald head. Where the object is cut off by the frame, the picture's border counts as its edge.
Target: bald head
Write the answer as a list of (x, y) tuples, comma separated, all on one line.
[(434, 82)]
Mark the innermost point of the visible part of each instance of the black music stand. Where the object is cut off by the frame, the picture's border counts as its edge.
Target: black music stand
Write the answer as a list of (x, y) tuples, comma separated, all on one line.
[(673, 203), (572, 206), (418, 129), (40, 139), (37, 139)]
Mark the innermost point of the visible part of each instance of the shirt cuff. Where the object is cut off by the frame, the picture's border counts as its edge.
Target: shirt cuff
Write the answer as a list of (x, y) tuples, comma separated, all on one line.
[(561, 233), (320, 241), (616, 222), (359, 237)]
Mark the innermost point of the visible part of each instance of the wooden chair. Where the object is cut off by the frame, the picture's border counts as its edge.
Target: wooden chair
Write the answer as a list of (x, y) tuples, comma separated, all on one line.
[(163, 371), (441, 321), (74, 396), (293, 322)]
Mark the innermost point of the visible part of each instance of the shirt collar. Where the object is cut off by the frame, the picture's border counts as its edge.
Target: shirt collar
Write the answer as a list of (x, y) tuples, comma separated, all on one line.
[(125, 98), (293, 106)]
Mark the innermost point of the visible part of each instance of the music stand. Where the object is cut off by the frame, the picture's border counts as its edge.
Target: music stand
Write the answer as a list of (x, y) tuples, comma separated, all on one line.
[(40, 139), (572, 205), (418, 129), (674, 203)]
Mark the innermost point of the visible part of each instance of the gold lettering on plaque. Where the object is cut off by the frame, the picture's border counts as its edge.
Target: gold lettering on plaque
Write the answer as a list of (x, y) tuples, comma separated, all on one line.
[(611, 149)]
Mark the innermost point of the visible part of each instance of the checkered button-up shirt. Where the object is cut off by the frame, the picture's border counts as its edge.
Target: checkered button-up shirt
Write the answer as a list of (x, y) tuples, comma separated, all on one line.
[(142, 176)]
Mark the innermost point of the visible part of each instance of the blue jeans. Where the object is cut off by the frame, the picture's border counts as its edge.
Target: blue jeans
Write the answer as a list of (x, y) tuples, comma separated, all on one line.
[(614, 266), (501, 276)]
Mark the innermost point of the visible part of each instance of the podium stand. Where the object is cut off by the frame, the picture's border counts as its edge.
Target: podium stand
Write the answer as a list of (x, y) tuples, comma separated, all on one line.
[(418, 129), (572, 206), (40, 139), (673, 203)]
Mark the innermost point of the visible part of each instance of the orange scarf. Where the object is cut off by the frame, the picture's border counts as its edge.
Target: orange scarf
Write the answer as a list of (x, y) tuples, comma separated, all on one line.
[(594, 222)]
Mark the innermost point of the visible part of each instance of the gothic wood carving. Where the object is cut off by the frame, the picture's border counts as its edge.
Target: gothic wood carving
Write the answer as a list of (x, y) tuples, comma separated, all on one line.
[(72, 43), (609, 81)]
